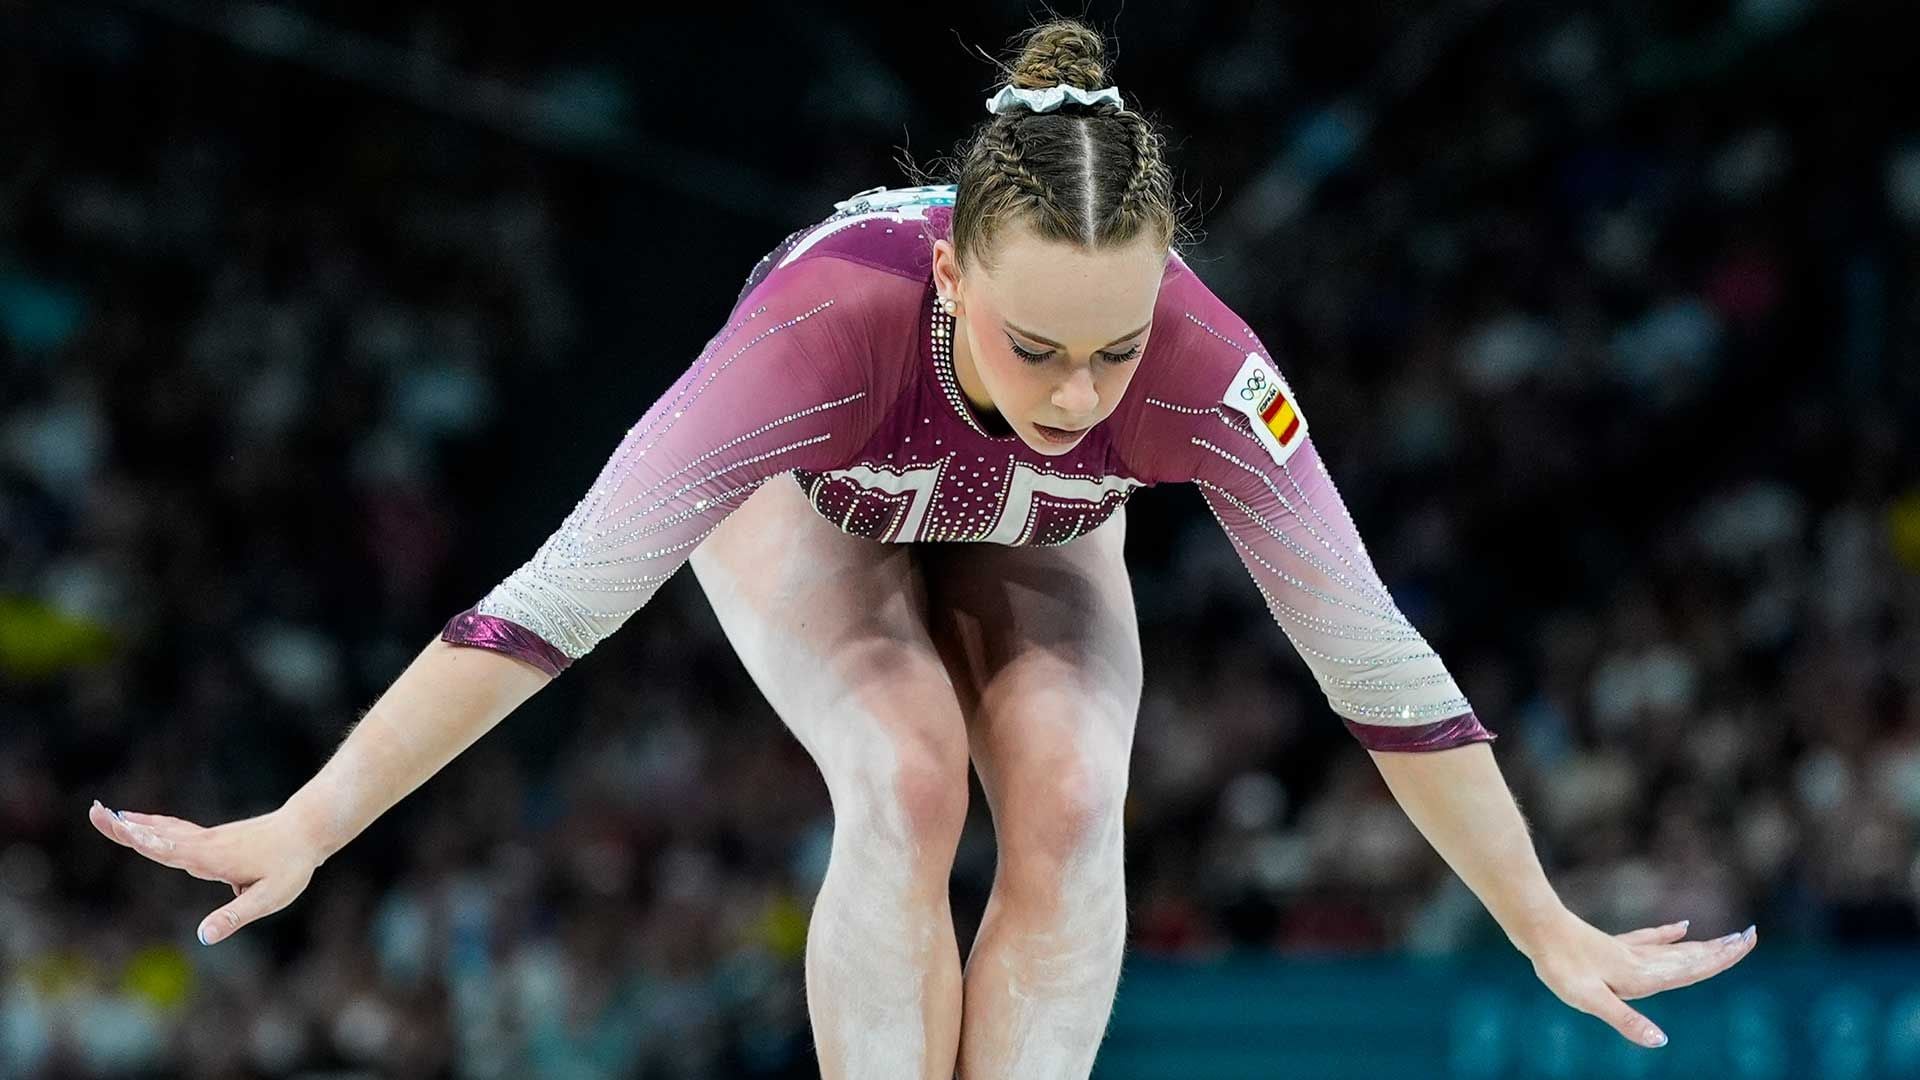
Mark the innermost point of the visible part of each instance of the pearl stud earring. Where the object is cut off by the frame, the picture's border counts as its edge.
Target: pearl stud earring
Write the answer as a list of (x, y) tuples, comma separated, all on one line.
[(948, 305)]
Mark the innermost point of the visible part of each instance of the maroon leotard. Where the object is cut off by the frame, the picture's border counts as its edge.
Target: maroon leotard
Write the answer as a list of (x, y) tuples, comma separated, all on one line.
[(834, 370)]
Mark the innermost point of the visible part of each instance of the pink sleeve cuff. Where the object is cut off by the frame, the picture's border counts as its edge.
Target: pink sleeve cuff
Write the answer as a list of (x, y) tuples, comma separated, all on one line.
[(492, 632), (1440, 735)]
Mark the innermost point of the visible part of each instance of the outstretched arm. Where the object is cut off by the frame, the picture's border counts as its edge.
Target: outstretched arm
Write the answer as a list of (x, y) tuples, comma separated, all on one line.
[(444, 701), (1224, 418), (779, 388), (1459, 801), (1271, 491)]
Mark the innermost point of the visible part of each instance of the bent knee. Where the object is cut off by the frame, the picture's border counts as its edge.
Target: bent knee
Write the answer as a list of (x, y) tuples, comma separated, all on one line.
[(905, 791), (1066, 813), (930, 788)]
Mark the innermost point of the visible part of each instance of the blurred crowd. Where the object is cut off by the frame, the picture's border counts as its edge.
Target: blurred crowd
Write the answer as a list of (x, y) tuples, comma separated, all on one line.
[(1608, 330)]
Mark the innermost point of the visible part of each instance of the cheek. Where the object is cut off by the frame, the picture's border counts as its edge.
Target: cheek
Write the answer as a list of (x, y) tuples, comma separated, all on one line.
[(1026, 385), (990, 364), (1114, 384), (1009, 377)]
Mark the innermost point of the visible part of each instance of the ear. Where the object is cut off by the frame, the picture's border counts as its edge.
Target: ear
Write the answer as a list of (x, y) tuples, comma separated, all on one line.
[(946, 269)]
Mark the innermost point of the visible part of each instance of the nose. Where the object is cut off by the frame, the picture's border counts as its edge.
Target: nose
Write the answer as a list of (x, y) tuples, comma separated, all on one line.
[(1076, 397)]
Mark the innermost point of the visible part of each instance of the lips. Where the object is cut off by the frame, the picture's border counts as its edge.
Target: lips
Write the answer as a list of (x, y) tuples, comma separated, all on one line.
[(1059, 435)]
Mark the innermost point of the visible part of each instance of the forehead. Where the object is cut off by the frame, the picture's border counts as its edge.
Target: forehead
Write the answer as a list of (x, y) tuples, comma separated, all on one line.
[(1053, 288)]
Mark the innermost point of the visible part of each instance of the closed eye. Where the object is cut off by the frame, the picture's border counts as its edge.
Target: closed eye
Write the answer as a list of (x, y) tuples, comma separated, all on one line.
[(1041, 357), (1029, 357)]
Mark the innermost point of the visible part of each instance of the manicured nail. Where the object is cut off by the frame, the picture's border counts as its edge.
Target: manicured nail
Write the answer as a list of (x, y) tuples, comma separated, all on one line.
[(202, 933), (1729, 939), (1684, 923), (1748, 936), (1656, 1037), (116, 814)]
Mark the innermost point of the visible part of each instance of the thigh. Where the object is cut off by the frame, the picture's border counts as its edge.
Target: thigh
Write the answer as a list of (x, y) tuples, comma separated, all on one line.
[(833, 630), (1043, 647)]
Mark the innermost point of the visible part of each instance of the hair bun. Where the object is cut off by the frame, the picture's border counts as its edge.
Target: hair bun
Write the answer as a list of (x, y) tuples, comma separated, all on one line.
[(1063, 52)]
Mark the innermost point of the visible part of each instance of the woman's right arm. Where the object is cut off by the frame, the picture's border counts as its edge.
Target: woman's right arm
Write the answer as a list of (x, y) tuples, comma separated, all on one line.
[(440, 705), (786, 385)]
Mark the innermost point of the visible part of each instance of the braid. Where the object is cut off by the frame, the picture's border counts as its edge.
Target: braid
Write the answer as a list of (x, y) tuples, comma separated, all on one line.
[(1145, 181), (1060, 56), (1001, 144), (1089, 177)]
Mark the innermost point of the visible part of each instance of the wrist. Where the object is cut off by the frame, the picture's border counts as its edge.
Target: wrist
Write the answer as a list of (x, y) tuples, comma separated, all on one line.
[(1537, 929), (311, 825)]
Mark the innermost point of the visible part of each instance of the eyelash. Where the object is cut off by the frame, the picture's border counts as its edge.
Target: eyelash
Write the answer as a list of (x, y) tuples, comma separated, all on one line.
[(1035, 358)]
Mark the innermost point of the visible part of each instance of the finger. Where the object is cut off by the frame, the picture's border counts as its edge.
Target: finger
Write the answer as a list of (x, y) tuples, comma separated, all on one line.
[(261, 899), (160, 823), (1712, 958), (1656, 935), (189, 853), (1686, 955), (1627, 1021), (138, 837), (144, 840), (102, 820)]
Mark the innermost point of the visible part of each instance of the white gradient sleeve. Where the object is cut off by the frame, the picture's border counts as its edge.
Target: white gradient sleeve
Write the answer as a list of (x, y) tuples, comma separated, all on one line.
[(772, 391), (1294, 535)]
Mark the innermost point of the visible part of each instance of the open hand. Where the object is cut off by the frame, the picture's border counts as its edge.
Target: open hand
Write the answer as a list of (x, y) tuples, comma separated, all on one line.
[(267, 860), (1599, 973)]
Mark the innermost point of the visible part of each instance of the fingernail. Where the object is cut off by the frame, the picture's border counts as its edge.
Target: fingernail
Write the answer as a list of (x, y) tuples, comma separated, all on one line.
[(1657, 1038), (1748, 936), (207, 937), (1684, 923), (116, 814), (1729, 939)]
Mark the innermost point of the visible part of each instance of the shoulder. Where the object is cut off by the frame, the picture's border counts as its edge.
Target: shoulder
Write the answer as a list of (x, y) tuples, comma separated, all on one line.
[(848, 291), (872, 258), (1204, 375), (888, 232)]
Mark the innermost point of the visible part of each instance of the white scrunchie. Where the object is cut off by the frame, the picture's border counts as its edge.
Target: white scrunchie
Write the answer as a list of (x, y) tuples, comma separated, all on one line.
[(1049, 98)]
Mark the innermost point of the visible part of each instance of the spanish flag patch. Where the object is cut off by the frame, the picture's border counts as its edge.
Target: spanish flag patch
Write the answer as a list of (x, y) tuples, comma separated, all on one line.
[(1281, 418), (1259, 392)]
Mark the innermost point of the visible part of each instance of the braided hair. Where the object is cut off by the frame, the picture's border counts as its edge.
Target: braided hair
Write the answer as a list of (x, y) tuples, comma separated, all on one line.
[(1091, 176)]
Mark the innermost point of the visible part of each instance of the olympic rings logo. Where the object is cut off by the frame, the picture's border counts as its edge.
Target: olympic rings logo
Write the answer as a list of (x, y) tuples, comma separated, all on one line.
[(1255, 383)]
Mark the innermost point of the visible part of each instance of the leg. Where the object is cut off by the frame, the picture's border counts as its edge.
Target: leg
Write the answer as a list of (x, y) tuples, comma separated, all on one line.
[(1045, 652), (833, 630)]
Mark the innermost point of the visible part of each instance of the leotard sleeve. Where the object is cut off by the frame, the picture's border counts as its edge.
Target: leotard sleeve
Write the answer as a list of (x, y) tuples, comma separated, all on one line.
[(1217, 412), (785, 384)]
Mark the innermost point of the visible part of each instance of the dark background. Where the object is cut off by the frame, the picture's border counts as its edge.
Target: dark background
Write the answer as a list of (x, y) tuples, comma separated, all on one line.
[(315, 319)]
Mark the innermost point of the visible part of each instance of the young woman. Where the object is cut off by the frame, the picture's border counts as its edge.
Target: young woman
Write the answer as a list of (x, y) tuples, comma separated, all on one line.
[(900, 472)]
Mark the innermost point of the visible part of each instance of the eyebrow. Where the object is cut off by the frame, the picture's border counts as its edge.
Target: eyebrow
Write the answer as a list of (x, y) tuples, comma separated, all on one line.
[(1036, 337)]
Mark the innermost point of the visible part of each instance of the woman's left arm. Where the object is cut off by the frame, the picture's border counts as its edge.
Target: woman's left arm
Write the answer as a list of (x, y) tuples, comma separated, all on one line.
[(1220, 414), (1459, 801), (1388, 684)]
